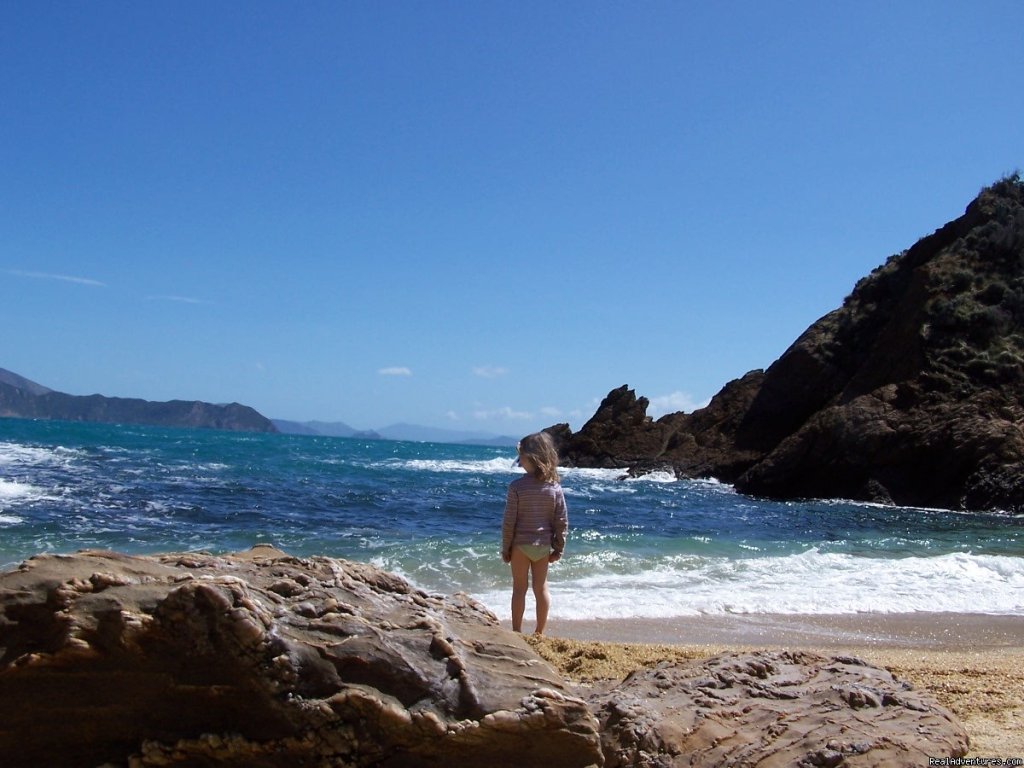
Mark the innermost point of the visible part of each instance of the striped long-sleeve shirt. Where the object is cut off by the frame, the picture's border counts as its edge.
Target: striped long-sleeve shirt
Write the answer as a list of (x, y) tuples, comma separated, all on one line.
[(535, 513)]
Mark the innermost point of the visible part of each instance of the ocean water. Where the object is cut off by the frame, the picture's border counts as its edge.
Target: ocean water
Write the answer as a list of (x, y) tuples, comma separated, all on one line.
[(649, 547)]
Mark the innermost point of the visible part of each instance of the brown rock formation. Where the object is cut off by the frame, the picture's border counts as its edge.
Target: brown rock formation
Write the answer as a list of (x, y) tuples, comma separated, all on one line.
[(775, 710), (262, 660), (266, 660), (911, 393)]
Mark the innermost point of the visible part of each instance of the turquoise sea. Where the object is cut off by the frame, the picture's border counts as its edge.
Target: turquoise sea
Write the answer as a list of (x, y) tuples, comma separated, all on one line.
[(650, 547)]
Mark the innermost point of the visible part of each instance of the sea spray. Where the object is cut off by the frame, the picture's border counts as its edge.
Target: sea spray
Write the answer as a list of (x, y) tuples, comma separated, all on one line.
[(648, 547)]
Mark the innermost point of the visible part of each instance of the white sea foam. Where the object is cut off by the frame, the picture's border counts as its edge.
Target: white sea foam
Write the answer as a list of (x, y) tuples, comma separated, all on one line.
[(13, 492), (212, 466), (494, 466), (593, 474), (598, 489), (580, 481), (507, 465), (18, 455), (10, 519), (808, 583), (656, 477)]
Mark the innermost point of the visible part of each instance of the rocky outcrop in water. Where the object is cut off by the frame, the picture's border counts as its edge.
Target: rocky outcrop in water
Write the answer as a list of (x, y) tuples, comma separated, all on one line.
[(264, 660), (24, 399), (910, 393)]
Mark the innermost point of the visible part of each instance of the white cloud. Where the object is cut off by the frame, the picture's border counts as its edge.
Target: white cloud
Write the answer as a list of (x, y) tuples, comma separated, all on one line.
[(502, 413), (49, 276), (453, 416), (671, 403), (395, 370), (551, 412), (490, 371)]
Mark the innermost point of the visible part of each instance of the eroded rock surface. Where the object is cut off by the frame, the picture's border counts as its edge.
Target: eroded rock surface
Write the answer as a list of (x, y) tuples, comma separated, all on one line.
[(261, 659), (773, 710)]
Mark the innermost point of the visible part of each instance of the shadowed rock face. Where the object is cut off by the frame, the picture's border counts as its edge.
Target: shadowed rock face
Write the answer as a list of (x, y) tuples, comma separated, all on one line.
[(263, 660), (910, 393), (266, 660)]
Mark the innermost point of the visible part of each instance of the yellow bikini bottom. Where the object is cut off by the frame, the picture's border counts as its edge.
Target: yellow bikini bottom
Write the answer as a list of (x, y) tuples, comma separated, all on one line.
[(534, 551)]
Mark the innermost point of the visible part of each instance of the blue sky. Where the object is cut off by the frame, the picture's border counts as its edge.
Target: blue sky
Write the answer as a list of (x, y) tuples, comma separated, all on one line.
[(472, 215)]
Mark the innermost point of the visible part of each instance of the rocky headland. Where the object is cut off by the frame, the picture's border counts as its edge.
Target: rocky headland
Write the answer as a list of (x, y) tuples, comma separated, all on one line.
[(24, 399), (911, 393), (260, 659)]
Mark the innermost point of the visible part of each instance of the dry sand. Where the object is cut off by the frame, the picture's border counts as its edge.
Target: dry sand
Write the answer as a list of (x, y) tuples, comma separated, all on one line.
[(973, 665)]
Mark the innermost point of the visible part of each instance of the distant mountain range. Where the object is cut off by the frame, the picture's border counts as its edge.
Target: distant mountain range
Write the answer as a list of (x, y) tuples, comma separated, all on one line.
[(26, 399), (410, 432)]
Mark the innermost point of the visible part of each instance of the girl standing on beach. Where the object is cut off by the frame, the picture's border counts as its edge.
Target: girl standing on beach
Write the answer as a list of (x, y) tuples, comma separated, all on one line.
[(534, 527)]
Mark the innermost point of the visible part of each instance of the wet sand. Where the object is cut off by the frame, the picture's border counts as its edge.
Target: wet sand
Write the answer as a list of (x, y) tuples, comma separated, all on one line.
[(973, 664), (937, 631)]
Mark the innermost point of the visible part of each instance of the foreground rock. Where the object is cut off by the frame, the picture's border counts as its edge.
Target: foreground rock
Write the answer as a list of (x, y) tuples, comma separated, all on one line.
[(910, 393), (773, 710), (266, 660), (262, 660)]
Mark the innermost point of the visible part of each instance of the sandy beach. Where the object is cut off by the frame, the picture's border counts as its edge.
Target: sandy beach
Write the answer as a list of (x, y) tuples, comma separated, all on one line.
[(972, 664)]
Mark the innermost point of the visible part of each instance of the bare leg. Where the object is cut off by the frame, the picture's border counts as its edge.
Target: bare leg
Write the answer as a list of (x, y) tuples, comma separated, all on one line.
[(540, 592), (520, 581)]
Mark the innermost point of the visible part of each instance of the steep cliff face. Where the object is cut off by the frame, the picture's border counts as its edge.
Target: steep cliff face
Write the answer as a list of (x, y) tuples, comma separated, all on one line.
[(909, 393), (21, 398)]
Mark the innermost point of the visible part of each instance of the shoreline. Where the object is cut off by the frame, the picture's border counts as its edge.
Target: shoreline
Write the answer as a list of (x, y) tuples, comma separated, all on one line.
[(931, 631), (973, 664)]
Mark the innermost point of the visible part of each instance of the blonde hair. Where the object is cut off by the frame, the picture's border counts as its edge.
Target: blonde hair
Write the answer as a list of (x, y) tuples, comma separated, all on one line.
[(539, 448)]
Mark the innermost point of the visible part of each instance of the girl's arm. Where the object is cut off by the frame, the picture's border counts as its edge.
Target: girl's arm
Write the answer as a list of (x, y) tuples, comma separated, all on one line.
[(560, 526), (508, 524)]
